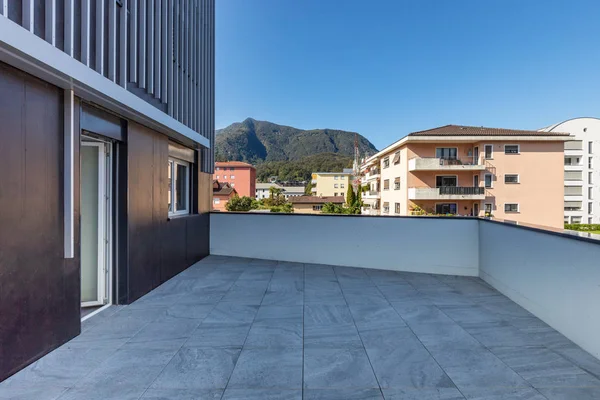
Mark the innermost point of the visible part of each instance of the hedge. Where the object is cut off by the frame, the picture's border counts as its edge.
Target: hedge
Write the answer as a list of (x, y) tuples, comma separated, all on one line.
[(583, 227)]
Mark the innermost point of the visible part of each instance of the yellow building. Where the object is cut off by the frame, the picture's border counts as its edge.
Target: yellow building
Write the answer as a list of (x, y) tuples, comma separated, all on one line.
[(313, 204), (331, 183)]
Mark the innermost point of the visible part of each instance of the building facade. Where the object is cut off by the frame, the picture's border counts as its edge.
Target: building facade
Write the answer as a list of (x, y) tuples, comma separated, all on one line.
[(240, 175), (582, 170), (313, 204), (508, 174), (331, 183), (107, 132), (263, 190), (222, 193)]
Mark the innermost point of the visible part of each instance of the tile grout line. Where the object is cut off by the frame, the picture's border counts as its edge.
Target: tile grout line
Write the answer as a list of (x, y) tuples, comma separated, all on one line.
[(303, 319), (185, 341), (358, 332), (249, 329), (467, 332)]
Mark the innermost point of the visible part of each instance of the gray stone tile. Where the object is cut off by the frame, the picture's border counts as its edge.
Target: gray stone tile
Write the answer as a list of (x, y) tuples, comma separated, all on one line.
[(571, 393), (24, 391), (268, 368), (422, 394), (275, 332), (283, 298), (219, 334), (375, 316), (343, 394), (167, 328), (190, 310), (542, 367), (332, 336), (198, 368), (389, 337), (232, 313), (267, 312), (262, 394), (499, 334), (505, 394), (182, 394), (337, 368), (327, 296), (406, 365), (486, 373), (327, 314), (104, 392), (470, 314), (580, 357)]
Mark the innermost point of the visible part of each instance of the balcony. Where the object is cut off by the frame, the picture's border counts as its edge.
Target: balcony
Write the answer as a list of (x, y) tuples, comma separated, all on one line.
[(475, 317), (445, 164), (371, 194), (371, 176), (447, 193)]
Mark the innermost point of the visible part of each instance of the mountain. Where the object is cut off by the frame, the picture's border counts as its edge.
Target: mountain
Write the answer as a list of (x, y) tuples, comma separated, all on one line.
[(255, 141)]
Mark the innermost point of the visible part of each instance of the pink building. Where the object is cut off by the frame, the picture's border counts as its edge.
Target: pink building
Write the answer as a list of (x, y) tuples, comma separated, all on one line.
[(240, 175)]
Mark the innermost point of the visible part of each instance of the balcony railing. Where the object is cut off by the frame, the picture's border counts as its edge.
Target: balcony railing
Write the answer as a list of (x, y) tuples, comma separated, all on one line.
[(445, 163), (462, 190), (447, 193)]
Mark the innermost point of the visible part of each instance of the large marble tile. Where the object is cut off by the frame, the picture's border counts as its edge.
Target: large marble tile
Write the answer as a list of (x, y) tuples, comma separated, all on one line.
[(103, 392), (343, 394), (198, 368), (327, 314), (570, 393), (502, 393), (167, 328), (283, 298), (422, 394), (21, 391), (182, 394), (332, 336), (268, 368), (232, 313), (374, 316), (337, 368), (190, 310), (275, 332), (406, 365), (262, 394), (219, 334)]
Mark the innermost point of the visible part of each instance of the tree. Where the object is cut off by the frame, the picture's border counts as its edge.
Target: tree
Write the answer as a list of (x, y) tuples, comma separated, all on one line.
[(308, 189), (244, 203), (286, 208), (350, 197), (276, 197), (330, 208)]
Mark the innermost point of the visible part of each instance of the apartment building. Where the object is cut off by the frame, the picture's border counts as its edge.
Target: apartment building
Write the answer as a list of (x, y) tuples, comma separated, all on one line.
[(240, 175), (313, 204), (331, 183), (582, 169), (107, 127), (510, 174)]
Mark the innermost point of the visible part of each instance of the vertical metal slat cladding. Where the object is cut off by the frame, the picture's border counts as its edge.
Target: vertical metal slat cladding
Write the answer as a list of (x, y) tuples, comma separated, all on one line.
[(123, 53), (50, 25), (150, 40), (158, 55), (99, 36), (142, 44), (112, 40), (133, 42)]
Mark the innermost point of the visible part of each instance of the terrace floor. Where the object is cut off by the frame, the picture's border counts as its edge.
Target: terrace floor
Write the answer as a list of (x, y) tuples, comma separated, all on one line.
[(231, 328)]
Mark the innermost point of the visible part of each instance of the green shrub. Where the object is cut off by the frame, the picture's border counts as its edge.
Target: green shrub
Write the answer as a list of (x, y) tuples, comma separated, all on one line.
[(583, 227)]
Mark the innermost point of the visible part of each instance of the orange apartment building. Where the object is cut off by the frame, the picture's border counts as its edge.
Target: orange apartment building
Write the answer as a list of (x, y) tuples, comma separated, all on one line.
[(509, 174), (240, 175)]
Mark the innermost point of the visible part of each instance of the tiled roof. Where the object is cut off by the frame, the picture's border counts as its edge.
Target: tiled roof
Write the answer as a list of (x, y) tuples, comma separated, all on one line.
[(222, 189), (317, 199), (233, 164), (458, 130)]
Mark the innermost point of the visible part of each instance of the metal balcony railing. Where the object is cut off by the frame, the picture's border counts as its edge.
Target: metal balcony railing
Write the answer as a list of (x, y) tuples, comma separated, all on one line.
[(462, 190)]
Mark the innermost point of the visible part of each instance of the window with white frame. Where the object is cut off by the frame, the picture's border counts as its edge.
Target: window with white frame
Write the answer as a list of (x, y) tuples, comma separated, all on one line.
[(232, 177), (232, 184), (397, 183), (590, 147), (179, 187), (590, 207), (224, 176), (590, 162), (317, 207), (575, 220), (487, 180), (511, 149), (511, 178), (216, 200), (590, 179), (386, 162), (341, 185), (335, 185), (397, 208), (590, 191), (511, 207), (335, 177), (386, 207)]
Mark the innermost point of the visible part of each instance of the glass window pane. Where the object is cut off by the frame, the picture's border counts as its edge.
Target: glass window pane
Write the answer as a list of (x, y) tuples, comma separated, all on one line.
[(170, 179), (181, 194)]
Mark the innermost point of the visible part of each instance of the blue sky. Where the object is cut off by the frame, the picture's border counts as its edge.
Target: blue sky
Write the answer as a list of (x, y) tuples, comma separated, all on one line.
[(385, 68)]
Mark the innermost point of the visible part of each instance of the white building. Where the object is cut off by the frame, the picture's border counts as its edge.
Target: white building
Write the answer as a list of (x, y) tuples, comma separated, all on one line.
[(263, 190), (582, 169)]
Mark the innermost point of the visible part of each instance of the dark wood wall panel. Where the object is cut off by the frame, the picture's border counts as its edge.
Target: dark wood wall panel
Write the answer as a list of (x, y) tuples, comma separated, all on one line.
[(159, 248), (39, 289)]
